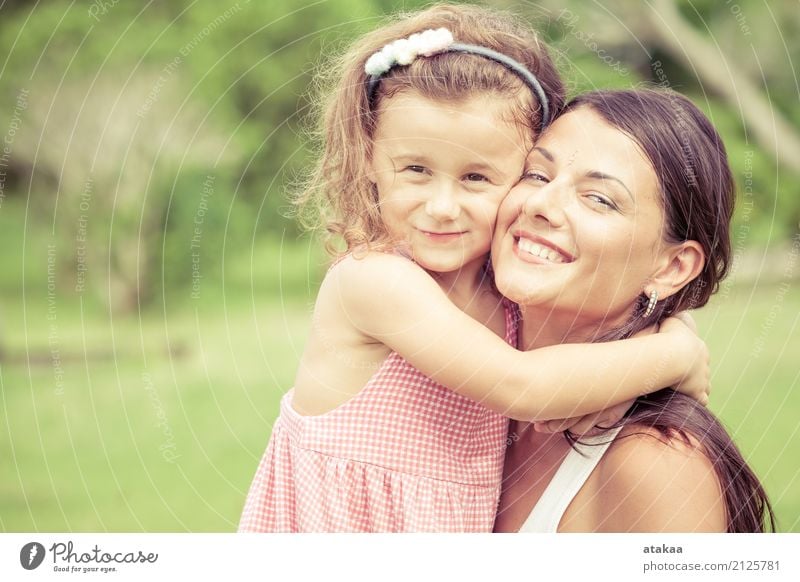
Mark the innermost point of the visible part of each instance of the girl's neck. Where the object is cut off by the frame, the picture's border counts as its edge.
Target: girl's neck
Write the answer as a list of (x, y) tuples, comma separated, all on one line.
[(463, 286)]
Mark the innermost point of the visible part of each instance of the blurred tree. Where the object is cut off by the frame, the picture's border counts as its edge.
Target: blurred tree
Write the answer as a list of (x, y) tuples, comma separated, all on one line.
[(114, 175), (149, 100), (734, 59), (135, 106)]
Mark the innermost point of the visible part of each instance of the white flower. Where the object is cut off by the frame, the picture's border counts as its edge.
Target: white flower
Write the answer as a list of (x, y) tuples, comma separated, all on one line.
[(377, 64), (415, 42), (443, 40), (427, 38), (403, 51), (388, 52), (435, 41)]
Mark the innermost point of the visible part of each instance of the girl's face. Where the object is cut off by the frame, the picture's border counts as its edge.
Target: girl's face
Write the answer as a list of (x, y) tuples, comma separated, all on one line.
[(582, 231), (441, 171)]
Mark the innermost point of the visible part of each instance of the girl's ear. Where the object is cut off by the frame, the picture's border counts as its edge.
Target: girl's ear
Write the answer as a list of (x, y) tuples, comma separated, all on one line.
[(371, 170), (681, 264)]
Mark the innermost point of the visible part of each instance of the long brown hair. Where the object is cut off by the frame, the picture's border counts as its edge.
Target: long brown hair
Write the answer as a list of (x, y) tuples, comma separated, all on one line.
[(697, 196), (338, 194)]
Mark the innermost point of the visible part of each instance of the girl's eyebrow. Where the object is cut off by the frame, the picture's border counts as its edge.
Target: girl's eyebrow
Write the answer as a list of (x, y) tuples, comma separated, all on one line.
[(409, 157)]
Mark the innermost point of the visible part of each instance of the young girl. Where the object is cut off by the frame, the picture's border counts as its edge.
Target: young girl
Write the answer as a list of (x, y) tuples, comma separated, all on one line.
[(398, 416)]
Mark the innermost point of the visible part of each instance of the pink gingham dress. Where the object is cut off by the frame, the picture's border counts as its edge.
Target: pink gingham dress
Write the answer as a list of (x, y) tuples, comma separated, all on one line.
[(405, 454)]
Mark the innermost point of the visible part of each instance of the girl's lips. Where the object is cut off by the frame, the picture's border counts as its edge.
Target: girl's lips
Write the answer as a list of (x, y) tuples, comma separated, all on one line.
[(442, 236)]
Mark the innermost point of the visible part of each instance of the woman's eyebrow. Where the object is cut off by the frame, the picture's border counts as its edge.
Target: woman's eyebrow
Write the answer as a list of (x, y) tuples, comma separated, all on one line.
[(594, 174), (601, 176), (546, 153)]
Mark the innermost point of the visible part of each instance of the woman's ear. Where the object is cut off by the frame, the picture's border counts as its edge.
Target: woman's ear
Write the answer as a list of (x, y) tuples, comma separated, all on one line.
[(682, 263)]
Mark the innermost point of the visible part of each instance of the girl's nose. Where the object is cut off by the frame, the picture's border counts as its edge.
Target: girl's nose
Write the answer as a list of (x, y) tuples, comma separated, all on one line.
[(443, 203)]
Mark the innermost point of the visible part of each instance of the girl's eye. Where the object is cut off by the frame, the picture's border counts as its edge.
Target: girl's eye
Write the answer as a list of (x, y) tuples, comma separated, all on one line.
[(416, 169), (475, 177), (602, 201)]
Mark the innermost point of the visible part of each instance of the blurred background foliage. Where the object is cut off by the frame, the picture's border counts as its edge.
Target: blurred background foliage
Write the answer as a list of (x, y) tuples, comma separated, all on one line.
[(149, 247), (147, 100)]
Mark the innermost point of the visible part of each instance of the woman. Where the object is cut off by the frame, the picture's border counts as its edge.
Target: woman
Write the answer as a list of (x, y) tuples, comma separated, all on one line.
[(632, 192)]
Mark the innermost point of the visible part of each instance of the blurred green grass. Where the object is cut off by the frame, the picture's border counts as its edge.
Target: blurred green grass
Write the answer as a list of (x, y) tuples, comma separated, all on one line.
[(199, 381)]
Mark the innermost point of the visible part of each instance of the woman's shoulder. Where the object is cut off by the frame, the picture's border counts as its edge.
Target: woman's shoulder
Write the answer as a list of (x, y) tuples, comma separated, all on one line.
[(651, 482)]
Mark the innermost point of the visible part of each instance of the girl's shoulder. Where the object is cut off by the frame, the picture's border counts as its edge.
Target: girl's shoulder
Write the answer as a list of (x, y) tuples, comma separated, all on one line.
[(374, 271), (361, 286)]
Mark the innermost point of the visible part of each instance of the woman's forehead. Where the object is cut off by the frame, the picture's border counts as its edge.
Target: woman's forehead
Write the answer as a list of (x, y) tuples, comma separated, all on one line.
[(582, 141)]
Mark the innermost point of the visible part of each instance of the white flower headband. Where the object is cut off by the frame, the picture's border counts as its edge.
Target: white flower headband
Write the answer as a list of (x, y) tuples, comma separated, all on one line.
[(431, 42)]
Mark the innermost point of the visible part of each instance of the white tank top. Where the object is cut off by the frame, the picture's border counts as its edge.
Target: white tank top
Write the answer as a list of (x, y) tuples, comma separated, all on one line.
[(565, 484)]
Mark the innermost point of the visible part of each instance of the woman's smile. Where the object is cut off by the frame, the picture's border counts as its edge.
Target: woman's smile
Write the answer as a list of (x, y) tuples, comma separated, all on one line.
[(535, 249)]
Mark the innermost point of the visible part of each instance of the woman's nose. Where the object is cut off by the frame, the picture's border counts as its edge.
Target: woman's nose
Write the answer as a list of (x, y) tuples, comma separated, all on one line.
[(443, 204), (547, 203)]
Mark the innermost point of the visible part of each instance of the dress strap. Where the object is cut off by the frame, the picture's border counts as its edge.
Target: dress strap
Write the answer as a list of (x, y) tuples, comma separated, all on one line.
[(513, 318), (568, 480)]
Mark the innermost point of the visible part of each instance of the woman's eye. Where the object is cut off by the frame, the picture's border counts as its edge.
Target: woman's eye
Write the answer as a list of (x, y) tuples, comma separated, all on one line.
[(535, 176), (602, 201)]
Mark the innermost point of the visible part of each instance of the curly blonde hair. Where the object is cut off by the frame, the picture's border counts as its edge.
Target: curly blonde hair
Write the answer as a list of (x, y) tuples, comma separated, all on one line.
[(338, 196)]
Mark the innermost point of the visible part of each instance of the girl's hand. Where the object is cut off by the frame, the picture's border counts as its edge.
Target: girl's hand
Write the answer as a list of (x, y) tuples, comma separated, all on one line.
[(687, 318), (587, 425), (697, 385), (696, 382)]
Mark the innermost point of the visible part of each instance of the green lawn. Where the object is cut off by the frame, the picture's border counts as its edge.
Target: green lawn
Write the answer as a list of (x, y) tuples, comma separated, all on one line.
[(158, 422)]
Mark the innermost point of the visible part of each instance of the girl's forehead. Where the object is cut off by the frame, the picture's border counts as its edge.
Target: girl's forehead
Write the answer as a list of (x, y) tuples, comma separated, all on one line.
[(502, 109), (475, 123)]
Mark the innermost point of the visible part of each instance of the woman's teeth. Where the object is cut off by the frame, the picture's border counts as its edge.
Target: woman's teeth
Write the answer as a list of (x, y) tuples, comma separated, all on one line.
[(540, 251)]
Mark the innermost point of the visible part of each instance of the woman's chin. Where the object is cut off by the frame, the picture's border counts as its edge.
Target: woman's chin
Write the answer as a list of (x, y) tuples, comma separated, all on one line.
[(519, 290)]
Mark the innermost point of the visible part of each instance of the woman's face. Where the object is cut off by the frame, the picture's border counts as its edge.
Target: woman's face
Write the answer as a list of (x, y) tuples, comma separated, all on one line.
[(582, 231)]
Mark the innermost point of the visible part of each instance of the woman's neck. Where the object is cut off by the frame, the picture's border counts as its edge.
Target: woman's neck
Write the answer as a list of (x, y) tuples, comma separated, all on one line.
[(542, 327)]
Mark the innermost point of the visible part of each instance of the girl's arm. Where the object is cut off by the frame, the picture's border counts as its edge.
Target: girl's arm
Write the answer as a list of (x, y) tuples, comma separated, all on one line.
[(390, 299)]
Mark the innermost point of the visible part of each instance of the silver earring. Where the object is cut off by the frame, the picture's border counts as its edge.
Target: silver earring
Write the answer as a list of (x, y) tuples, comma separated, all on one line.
[(651, 305)]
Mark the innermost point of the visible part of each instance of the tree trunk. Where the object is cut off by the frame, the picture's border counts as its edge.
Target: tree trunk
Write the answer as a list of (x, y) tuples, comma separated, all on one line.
[(767, 124)]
